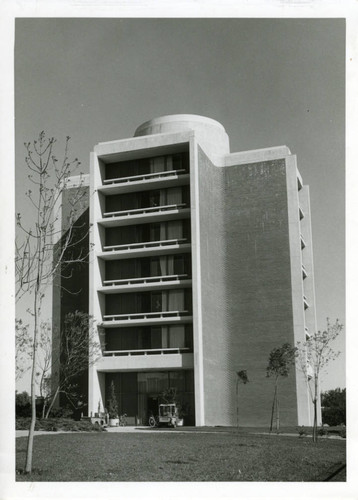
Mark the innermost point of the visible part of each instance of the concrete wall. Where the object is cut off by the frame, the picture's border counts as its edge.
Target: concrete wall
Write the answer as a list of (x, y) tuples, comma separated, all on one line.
[(246, 289), (213, 292), (308, 283), (258, 278)]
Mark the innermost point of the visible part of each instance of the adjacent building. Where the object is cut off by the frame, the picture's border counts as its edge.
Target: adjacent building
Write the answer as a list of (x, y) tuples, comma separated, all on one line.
[(71, 284), (201, 265)]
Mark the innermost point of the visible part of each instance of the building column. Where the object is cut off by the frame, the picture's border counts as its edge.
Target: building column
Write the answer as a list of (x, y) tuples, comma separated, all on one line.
[(96, 391)]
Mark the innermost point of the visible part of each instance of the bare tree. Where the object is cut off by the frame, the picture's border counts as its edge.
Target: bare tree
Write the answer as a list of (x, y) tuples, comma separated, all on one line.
[(35, 266), (22, 348), (313, 356), (24, 354), (78, 351), (280, 361), (44, 363)]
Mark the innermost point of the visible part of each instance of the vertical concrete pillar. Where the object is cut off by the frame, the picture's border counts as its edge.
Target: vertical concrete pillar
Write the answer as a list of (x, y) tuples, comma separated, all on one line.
[(303, 400), (196, 277)]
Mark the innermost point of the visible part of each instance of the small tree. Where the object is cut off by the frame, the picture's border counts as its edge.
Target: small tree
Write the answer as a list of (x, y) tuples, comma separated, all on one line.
[(280, 361), (313, 356), (23, 349), (78, 350), (44, 363), (169, 396), (113, 403), (35, 265), (244, 379)]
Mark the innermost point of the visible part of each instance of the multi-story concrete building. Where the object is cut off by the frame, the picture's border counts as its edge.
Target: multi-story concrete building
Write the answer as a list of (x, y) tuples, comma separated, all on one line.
[(202, 264)]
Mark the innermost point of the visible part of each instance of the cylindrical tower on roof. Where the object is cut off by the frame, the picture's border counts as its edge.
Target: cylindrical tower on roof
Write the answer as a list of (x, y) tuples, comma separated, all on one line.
[(210, 133)]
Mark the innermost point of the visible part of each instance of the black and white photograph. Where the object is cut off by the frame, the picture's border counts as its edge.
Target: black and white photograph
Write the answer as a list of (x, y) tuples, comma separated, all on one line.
[(176, 272)]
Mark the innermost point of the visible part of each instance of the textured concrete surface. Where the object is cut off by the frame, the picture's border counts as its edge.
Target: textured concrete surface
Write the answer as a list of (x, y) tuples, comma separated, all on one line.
[(246, 289)]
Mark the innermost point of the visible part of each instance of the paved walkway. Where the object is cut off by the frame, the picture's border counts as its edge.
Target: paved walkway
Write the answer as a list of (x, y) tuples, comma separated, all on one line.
[(128, 428), (108, 429)]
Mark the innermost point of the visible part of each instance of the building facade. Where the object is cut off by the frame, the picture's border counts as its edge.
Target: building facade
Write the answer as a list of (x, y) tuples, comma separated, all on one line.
[(70, 286), (201, 265)]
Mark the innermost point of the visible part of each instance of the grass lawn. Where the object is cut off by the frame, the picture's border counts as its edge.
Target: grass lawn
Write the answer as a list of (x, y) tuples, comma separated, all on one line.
[(224, 455)]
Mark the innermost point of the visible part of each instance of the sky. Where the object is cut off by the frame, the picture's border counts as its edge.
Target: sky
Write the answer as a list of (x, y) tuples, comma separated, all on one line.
[(269, 82)]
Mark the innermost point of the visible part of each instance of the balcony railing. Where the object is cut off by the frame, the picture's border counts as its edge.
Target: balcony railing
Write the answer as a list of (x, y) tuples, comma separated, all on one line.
[(147, 279), (143, 177), (142, 211), (146, 315), (145, 352), (144, 244)]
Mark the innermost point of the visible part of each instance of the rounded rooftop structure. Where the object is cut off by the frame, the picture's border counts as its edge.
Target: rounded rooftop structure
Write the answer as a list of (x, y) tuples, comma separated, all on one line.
[(209, 132)]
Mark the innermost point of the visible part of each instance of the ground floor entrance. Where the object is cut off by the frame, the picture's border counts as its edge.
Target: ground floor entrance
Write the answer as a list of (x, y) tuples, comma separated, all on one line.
[(139, 393)]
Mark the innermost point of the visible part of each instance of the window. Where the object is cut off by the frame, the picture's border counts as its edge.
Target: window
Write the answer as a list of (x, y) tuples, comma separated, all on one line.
[(154, 198), (156, 300), (179, 264), (154, 232)]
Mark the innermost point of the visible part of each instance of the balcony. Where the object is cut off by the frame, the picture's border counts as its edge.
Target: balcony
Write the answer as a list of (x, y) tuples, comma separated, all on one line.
[(300, 213), (307, 333), (305, 302), (160, 247), (143, 182), (149, 214), (146, 318), (146, 283), (159, 359)]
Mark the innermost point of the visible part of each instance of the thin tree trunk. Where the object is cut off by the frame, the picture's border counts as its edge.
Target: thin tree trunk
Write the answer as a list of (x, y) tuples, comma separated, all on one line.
[(237, 402), (43, 409), (52, 402), (277, 409), (314, 432), (30, 440), (273, 407)]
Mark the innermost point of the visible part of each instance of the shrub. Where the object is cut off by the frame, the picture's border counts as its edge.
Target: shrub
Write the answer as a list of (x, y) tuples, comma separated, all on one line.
[(112, 403), (56, 424), (22, 404), (301, 431), (342, 433), (334, 406), (322, 431), (333, 416), (61, 413)]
